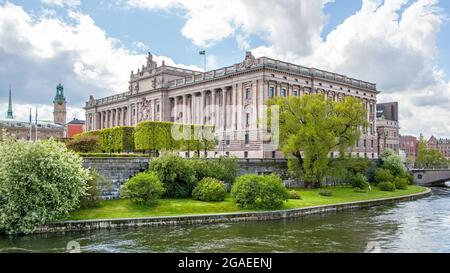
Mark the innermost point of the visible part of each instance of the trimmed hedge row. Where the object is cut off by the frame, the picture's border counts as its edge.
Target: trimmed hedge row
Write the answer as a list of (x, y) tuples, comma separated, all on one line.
[(155, 136), (116, 139)]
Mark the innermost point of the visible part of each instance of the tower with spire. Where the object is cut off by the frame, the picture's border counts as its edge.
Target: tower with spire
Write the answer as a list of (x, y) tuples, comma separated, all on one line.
[(59, 106), (10, 110)]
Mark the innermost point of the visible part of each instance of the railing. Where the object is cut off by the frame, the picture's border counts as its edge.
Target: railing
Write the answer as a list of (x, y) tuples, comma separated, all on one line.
[(272, 63)]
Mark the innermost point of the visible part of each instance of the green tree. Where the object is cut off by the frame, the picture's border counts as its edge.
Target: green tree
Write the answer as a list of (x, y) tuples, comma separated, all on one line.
[(393, 163), (39, 183), (312, 127), (429, 158)]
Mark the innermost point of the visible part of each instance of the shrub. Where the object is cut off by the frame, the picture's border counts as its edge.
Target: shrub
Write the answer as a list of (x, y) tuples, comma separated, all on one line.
[(177, 175), (401, 183), (393, 163), (325, 192), (209, 189), (409, 178), (96, 182), (223, 169), (386, 186), (84, 144), (359, 181), (383, 175), (143, 189), (294, 195), (259, 192), (39, 183)]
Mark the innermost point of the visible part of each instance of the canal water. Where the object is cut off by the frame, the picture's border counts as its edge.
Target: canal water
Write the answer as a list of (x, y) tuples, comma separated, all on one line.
[(417, 226)]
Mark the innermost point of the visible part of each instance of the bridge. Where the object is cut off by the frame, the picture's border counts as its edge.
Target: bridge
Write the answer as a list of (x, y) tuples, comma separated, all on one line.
[(430, 177)]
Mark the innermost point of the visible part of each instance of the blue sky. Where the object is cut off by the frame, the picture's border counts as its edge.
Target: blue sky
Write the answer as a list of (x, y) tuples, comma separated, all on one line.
[(406, 63)]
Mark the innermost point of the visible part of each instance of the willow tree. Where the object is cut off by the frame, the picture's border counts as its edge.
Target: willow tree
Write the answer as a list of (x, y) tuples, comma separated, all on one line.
[(312, 127)]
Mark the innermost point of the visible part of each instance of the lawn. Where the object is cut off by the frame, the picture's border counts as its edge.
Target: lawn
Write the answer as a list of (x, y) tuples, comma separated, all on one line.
[(170, 207)]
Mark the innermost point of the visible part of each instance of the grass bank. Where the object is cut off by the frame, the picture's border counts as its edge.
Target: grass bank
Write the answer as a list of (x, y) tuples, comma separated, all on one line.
[(170, 207)]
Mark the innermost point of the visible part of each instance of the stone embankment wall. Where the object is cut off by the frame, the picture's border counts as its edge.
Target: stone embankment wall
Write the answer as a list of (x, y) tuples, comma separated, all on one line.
[(93, 225), (116, 171), (119, 170)]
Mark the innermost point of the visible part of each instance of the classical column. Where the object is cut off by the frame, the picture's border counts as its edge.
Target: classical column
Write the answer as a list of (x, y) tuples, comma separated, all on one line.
[(224, 109)]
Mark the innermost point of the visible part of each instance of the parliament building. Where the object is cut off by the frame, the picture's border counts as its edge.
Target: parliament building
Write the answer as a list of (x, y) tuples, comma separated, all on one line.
[(230, 98)]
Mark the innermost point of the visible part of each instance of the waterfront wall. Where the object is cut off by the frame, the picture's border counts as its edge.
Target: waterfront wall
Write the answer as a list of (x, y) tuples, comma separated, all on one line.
[(93, 225), (116, 171), (119, 170)]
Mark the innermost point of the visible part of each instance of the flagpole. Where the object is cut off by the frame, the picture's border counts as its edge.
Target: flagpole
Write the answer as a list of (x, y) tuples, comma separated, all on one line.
[(36, 124), (31, 128)]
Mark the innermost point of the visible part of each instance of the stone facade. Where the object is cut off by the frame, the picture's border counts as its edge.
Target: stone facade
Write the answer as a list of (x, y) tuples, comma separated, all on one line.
[(231, 98), (388, 135)]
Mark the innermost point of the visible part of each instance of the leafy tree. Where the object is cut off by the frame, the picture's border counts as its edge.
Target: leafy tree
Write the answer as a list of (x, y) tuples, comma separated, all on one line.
[(393, 163), (39, 183), (429, 158), (312, 127)]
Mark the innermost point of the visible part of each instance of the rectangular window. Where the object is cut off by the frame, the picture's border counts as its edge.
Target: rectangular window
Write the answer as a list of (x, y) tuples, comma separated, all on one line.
[(371, 143), (271, 92), (248, 93), (228, 140), (295, 93), (365, 143), (274, 154), (247, 120), (245, 154), (247, 139), (283, 92)]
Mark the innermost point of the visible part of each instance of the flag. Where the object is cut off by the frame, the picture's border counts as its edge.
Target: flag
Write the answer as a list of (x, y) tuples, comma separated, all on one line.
[(30, 116), (36, 116), (203, 52)]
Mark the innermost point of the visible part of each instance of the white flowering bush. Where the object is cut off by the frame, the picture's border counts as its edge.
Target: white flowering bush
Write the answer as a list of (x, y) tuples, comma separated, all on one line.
[(39, 183)]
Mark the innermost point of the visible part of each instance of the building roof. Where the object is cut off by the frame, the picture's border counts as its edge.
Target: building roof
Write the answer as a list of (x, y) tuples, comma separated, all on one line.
[(26, 124), (77, 121)]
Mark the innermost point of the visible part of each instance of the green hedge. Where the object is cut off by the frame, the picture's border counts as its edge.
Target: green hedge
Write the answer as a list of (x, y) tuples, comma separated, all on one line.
[(157, 136), (116, 139)]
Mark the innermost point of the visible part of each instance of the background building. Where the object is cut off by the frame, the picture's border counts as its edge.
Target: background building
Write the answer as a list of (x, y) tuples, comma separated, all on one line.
[(230, 98), (75, 127), (408, 144), (443, 145), (388, 128), (20, 129), (389, 110)]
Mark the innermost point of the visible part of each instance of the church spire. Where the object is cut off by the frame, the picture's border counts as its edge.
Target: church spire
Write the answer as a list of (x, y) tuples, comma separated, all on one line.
[(10, 110)]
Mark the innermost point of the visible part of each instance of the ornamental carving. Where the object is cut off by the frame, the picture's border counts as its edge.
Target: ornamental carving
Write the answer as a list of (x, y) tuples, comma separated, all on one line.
[(146, 109), (249, 60)]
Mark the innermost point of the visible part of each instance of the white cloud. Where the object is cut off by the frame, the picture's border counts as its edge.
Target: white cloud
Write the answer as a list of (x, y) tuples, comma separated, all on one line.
[(391, 43), (285, 24), (62, 3), (45, 50)]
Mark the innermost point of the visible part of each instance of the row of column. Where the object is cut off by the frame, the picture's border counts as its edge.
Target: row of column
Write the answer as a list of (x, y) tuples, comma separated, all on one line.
[(111, 118), (208, 107)]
